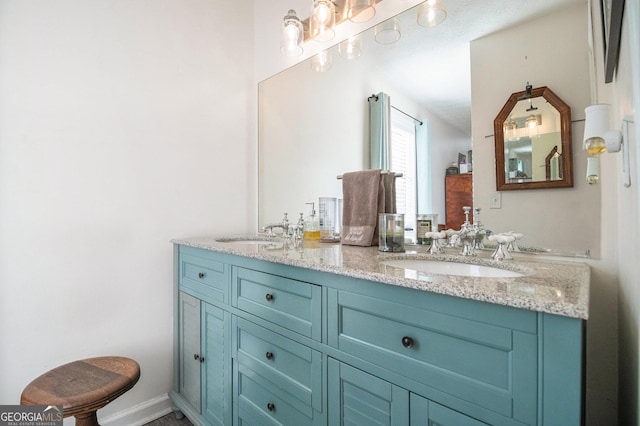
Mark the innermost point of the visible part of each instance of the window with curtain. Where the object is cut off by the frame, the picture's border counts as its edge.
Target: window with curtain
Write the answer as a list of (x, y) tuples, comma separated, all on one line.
[(403, 160)]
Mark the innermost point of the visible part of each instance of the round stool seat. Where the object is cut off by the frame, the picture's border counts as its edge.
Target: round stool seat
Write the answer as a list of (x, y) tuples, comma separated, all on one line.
[(83, 387)]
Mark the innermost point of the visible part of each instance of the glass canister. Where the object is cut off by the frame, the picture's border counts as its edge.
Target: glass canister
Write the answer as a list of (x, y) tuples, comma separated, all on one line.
[(425, 223), (391, 232), (327, 213)]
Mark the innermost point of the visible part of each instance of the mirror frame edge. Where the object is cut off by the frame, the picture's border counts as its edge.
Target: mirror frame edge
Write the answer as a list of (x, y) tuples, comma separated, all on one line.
[(565, 136)]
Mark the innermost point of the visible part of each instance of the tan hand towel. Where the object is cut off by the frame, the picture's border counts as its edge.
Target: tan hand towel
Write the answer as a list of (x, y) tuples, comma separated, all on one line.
[(361, 192)]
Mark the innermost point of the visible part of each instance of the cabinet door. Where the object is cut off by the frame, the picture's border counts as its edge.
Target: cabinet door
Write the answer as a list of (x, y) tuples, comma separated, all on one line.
[(425, 412), (358, 398), (488, 359), (216, 365), (189, 328)]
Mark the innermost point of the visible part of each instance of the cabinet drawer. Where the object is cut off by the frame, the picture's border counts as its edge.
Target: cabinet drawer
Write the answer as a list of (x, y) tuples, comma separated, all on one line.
[(290, 365), (262, 402), (491, 366), (203, 277), (292, 304)]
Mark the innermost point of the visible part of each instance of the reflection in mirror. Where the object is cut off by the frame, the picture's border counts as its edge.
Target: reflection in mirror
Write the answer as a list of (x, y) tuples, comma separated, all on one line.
[(533, 141), (311, 125), (314, 126)]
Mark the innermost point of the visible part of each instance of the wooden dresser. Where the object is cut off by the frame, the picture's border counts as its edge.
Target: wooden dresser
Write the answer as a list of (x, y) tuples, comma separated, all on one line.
[(458, 193)]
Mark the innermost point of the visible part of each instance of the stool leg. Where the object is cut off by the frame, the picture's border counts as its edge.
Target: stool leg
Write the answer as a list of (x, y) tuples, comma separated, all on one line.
[(87, 419)]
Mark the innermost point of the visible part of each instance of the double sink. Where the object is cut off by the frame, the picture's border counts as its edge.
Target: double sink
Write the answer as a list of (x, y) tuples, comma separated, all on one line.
[(429, 266)]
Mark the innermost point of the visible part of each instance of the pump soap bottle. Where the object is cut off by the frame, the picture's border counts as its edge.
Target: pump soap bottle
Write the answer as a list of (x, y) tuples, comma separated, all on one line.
[(312, 225)]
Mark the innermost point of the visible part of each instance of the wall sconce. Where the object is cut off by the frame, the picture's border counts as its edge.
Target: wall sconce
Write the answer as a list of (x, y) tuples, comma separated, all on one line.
[(292, 35), (430, 14), (323, 20), (360, 10), (599, 137)]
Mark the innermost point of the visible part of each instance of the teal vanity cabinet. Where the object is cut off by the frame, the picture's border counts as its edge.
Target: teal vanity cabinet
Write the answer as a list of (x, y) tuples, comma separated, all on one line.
[(263, 342), (202, 339)]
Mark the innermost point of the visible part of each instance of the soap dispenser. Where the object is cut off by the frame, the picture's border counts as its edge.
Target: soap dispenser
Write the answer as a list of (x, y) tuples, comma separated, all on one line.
[(312, 225)]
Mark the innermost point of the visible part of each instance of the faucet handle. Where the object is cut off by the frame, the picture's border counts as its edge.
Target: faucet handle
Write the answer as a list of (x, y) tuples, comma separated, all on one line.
[(513, 245), (502, 251)]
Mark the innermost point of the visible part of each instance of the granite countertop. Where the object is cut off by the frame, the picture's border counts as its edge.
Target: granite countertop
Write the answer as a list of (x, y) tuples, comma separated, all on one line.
[(556, 287)]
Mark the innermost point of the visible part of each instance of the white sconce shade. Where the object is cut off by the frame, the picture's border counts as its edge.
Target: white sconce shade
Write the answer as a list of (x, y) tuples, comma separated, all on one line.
[(600, 138), (388, 32), (596, 124), (593, 170), (360, 10), (431, 14), (323, 20), (292, 35), (321, 62), (351, 48)]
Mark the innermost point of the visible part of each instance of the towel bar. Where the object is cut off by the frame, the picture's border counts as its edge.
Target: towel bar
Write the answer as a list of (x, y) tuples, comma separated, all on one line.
[(384, 172)]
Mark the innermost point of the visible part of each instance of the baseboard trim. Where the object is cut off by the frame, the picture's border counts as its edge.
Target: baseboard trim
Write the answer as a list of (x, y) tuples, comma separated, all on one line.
[(140, 414)]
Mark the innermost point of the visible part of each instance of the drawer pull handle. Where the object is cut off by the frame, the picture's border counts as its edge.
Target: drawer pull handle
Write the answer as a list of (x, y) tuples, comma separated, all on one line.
[(201, 275), (407, 342), (201, 359), (271, 406), (269, 355), (196, 357), (269, 297)]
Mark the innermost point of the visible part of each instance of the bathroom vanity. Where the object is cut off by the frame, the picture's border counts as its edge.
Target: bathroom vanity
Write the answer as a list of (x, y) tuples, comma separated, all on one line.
[(327, 334)]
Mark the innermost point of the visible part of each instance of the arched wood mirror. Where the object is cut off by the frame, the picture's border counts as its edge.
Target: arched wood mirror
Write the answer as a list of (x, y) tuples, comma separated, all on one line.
[(533, 141)]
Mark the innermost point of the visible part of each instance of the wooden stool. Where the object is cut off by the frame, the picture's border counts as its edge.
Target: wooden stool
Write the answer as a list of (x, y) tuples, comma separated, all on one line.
[(83, 387)]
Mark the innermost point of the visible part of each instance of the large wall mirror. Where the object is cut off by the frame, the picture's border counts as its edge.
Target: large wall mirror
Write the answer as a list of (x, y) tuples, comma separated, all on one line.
[(311, 125), (533, 141)]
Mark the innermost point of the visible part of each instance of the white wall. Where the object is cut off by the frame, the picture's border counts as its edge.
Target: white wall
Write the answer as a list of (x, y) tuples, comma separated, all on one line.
[(621, 231), (579, 217), (121, 124)]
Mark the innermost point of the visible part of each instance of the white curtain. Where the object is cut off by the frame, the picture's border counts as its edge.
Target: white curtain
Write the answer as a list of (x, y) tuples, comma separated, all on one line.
[(423, 168)]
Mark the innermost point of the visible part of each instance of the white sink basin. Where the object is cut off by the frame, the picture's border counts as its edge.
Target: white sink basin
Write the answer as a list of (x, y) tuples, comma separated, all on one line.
[(451, 268)]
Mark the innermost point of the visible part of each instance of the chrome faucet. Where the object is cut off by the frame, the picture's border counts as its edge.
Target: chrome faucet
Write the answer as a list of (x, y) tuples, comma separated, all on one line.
[(479, 228), (467, 235), (284, 225)]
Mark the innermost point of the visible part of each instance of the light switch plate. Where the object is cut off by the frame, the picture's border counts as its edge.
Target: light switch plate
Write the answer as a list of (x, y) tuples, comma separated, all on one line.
[(495, 200)]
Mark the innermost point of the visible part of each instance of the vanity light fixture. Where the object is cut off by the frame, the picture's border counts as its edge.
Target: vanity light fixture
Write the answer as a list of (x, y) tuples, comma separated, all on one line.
[(360, 10), (351, 48), (430, 14), (292, 35), (323, 20), (599, 138), (388, 32)]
